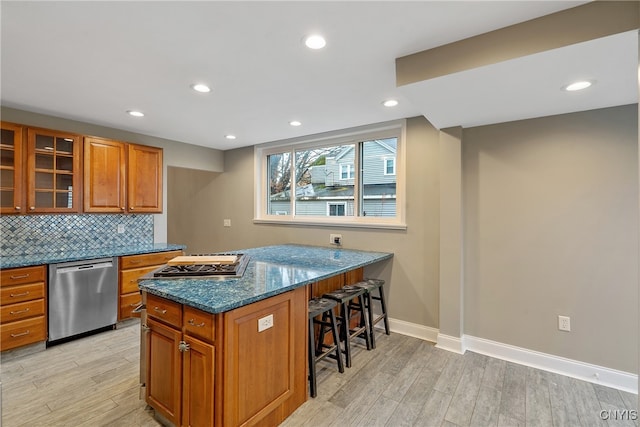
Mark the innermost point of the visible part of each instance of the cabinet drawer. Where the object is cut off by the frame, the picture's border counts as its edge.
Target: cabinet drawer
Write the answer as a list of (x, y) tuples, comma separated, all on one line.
[(168, 311), (18, 276), (127, 303), (14, 294), (129, 279), (22, 332), (199, 323), (21, 310), (145, 260)]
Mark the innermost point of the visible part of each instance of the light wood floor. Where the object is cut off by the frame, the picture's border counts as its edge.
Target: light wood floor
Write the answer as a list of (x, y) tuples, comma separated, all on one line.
[(404, 382)]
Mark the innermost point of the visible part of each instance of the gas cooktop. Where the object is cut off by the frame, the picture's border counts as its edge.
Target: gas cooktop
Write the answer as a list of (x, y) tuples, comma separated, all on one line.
[(205, 269)]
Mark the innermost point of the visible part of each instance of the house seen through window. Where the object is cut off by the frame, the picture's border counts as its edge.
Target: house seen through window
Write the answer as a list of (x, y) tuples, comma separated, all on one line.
[(352, 179)]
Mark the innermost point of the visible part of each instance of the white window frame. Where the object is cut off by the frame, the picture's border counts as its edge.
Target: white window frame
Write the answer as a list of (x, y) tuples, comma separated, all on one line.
[(349, 136), (384, 165), (343, 204), (349, 169)]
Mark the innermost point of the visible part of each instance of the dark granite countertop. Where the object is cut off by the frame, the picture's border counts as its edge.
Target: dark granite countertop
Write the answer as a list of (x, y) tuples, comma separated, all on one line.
[(84, 254), (271, 270)]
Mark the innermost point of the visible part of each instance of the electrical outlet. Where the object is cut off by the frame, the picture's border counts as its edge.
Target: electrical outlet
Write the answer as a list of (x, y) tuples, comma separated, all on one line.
[(227, 223), (265, 323), (335, 239), (564, 323), (120, 228)]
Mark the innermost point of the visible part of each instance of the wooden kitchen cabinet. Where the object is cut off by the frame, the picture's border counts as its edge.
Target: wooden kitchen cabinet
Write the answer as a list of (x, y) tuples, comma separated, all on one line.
[(132, 267), (23, 316), (11, 168), (144, 183), (121, 177), (104, 175), (180, 362), (53, 171)]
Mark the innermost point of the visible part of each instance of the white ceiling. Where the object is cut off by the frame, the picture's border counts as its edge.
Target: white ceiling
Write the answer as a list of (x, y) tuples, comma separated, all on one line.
[(92, 61)]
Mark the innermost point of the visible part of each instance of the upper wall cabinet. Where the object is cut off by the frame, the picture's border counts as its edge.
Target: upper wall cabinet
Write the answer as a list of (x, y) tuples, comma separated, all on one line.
[(11, 161), (53, 171), (104, 175), (144, 183), (121, 177)]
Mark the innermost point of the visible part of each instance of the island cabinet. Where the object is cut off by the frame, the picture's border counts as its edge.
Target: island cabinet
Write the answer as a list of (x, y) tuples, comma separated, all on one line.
[(23, 317), (121, 177), (132, 267), (246, 366)]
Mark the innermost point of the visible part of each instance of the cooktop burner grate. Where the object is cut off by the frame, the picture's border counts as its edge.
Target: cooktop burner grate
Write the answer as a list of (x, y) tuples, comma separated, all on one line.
[(205, 270)]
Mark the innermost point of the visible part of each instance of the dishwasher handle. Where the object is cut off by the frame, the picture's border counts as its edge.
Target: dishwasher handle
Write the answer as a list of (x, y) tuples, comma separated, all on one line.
[(81, 267)]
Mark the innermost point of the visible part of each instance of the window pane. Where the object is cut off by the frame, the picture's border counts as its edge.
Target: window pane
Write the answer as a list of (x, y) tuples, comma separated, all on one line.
[(319, 179), (279, 172), (378, 184)]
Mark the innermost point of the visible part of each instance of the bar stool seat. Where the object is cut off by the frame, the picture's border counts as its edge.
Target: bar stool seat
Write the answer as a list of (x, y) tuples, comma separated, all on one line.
[(370, 285), (351, 301), (322, 307)]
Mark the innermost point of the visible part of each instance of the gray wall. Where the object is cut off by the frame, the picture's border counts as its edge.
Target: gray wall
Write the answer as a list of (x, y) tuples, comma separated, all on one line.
[(551, 228), (413, 274), (550, 210)]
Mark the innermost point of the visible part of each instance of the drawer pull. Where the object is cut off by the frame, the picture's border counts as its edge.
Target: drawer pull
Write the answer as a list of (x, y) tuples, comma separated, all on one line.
[(23, 276), (24, 294), (135, 262), (19, 311), (20, 334), (159, 311), (136, 304), (192, 322)]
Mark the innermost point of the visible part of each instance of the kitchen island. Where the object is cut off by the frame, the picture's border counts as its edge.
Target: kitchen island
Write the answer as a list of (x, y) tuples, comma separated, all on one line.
[(233, 351)]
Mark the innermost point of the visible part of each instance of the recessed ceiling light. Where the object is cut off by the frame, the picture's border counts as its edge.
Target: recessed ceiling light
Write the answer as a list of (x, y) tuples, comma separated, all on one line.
[(578, 85), (202, 88), (230, 136), (295, 123), (390, 103), (315, 41), (135, 113)]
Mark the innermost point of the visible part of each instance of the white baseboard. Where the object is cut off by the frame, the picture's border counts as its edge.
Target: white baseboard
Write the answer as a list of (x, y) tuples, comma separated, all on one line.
[(571, 368), (412, 329), (450, 343)]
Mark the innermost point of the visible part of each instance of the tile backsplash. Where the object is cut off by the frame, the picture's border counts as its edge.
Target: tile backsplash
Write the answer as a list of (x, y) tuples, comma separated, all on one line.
[(32, 234)]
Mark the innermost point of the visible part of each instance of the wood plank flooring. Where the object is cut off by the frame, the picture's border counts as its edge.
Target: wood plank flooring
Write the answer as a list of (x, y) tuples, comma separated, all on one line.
[(403, 382)]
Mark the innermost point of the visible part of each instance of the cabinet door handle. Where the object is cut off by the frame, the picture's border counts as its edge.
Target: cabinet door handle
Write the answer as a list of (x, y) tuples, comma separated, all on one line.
[(19, 311), (33, 208), (20, 334), (157, 309), (17, 208), (131, 208), (192, 322), (122, 208), (22, 276), (183, 346), (24, 294)]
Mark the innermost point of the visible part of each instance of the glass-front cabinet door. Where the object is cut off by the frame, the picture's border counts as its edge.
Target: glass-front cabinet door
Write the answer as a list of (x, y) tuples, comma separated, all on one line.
[(11, 168), (53, 168)]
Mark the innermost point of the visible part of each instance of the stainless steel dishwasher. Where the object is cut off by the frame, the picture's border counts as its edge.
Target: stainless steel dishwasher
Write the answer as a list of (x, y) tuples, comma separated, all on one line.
[(83, 296)]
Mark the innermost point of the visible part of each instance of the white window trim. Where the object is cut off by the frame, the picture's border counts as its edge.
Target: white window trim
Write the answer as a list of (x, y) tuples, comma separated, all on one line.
[(347, 136), (343, 204), (350, 171), (385, 160)]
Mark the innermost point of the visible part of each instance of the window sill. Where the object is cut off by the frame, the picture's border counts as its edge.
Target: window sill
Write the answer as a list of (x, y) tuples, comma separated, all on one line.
[(323, 223)]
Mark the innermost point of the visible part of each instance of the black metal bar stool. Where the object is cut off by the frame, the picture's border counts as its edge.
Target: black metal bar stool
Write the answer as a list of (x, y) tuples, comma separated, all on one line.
[(369, 285), (348, 307), (319, 351)]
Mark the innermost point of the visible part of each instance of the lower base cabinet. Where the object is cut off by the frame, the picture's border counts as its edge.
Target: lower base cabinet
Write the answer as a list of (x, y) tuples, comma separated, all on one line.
[(223, 370)]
